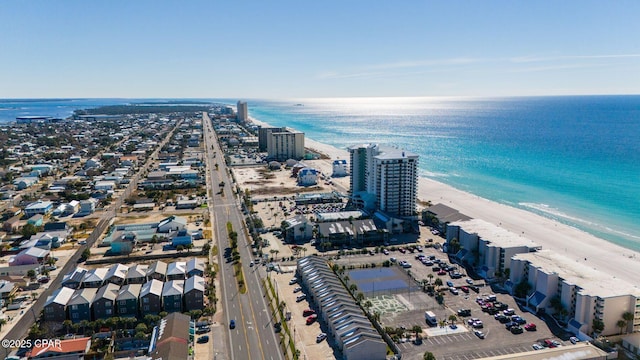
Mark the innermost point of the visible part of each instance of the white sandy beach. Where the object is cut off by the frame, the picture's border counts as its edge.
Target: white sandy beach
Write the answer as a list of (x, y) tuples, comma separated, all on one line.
[(576, 245)]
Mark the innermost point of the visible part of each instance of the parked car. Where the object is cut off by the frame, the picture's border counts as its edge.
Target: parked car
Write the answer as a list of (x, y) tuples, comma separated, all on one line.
[(472, 320), (203, 330), (464, 289), (308, 312), (537, 346), (311, 319), (453, 290), (203, 339), (479, 334), (516, 330), (464, 312), (518, 319), (574, 340), (301, 297), (469, 281), (509, 312), (386, 252), (510, 324), (298, 289), (321, 337), (442, 272), (293, 281), (474, 288), (450, 283), (530, 327)]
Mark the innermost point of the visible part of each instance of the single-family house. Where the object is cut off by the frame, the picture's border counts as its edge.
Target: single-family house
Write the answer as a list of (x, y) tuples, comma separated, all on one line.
[(55, 308), (116, 274), (12, 225), (104, 303), (195, 266), (151, 297), (24, 182), (137, 274), (74, 279), (127, 300), (158, 271), (36, 220), (194, 293), (79, 306), (38, 207), (72, 349), (176, 270), (172, 296), (33, 255), (94, 278), (7, 289)]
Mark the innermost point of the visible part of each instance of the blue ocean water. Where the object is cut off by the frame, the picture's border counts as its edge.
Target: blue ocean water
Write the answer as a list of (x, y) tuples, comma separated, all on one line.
[(573, 159)]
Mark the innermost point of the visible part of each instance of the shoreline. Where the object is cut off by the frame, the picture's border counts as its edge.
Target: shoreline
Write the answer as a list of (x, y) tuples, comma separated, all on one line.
[(574, 244)]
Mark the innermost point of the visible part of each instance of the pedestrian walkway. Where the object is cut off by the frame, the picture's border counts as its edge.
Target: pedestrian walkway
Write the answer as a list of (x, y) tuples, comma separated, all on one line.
[(445, 330)]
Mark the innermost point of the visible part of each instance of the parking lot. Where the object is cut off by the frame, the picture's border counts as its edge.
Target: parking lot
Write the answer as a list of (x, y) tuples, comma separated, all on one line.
[(406, 309)]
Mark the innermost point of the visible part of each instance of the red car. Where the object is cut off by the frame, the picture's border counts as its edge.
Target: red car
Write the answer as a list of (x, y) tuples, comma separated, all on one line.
[(311, 319), (402, 250), (308, 312), (442, 272), (530, 327), (464, 289)]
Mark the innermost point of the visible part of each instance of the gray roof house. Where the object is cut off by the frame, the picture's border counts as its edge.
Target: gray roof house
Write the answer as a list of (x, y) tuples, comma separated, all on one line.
[(194, 293), (127, 300), (79, 307), (157, 270), (105, 301), (172, 296), (137, 274), (151, 297), (56, 305), (117, 274), (94, 278), (195, 266), (176, 270), (74, 279)]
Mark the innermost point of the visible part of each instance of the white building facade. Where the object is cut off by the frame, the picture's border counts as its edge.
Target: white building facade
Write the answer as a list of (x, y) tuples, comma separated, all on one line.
[(390, 174)]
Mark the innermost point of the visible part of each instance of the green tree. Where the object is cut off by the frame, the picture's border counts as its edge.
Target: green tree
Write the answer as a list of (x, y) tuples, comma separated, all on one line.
[(597, 325), (31, 274), (28, 230), (621, 324), (438, 282), (2, 323), (428, 356), (453, 319)]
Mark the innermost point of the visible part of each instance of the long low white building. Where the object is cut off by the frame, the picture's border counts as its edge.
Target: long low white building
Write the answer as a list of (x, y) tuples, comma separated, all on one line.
[(584, 296)]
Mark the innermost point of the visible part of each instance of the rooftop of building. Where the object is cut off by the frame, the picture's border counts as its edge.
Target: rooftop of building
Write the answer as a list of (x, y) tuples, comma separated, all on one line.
[(496, 235), (592, 281)]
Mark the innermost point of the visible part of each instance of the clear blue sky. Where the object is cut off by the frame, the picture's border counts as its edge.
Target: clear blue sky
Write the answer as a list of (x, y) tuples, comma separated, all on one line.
[(287, 49)]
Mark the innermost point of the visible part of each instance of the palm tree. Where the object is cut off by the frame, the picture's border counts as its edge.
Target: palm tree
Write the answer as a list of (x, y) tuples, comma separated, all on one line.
[(2, 323), (66, 324), (417, 329), (353, 288), (359, 296), (438, 282), (376, 316), (368, 304), (453, 319), (628, 317), (442, 323), (621, 324), (430, 276), (304, 251)]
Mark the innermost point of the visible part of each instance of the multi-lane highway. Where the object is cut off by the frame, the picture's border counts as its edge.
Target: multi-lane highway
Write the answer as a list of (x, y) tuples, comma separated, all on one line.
[(253, 336)]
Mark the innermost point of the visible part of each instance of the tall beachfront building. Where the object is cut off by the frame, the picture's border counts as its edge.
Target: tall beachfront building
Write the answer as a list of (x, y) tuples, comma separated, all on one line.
[(281, 143), (243, 112), (388, 174)]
